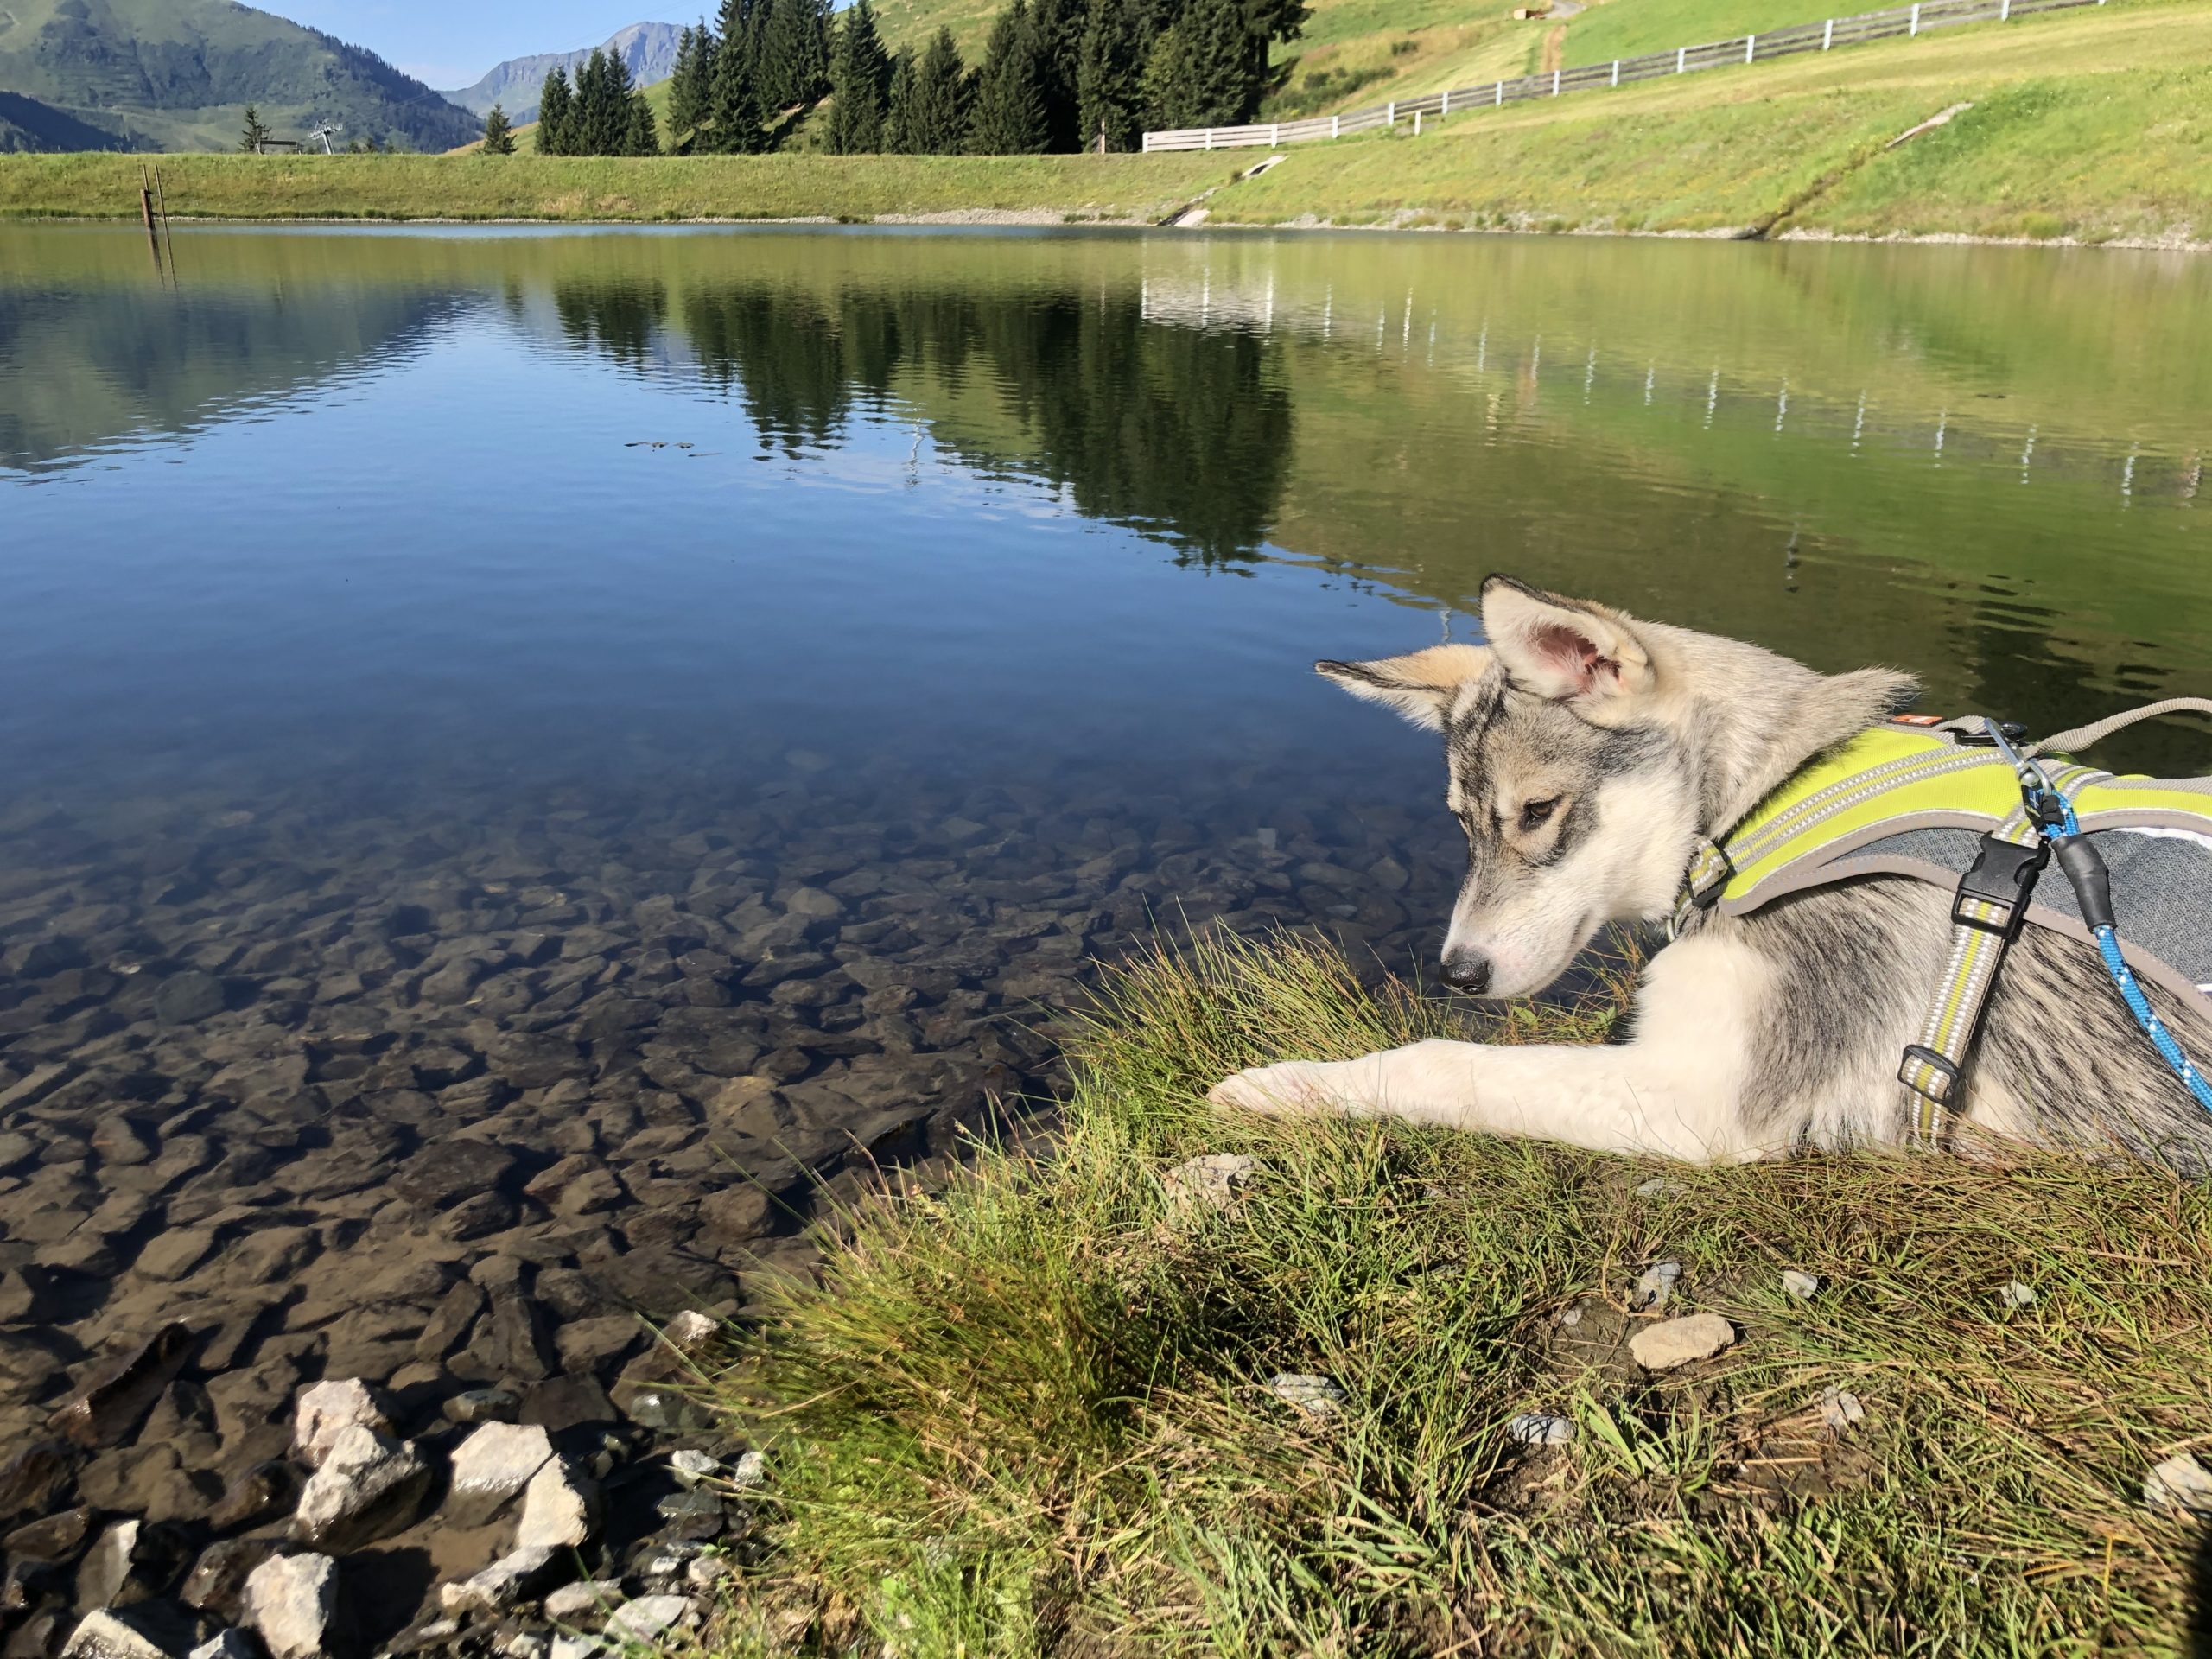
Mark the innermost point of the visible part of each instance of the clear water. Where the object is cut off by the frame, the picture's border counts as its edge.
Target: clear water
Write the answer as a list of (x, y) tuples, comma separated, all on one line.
[(777, 664)]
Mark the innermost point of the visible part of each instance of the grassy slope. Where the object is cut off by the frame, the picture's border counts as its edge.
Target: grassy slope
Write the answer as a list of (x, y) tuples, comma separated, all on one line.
[(1029, 1414), (2087, 123), (725, 187)]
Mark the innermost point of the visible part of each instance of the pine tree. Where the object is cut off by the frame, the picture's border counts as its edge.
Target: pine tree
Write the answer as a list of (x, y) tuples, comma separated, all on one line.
[(734, 106), (556, 114), (499, 133), (690, 87), (255, 134), (1199, 71), (899, 103), (1110, 98), (792, 69), (860, 81), (1057, 27), (937, 114), (642, 135), (1008, 115)]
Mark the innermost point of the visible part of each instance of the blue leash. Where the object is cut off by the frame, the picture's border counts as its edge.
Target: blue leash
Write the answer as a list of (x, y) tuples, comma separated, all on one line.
[(2092, 883)]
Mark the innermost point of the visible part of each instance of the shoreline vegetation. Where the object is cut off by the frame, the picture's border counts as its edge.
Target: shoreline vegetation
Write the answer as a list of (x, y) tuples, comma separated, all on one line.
[(2080, 131), (1204, 1384)]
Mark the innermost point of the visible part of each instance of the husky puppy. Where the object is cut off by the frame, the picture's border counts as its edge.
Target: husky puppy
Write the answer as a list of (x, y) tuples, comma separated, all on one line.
[(1586, 753)]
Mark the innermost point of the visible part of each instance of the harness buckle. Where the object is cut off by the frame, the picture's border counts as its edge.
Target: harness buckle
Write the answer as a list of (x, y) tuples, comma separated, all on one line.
[(1938, 1088), (1979, 737), (1993, 895)]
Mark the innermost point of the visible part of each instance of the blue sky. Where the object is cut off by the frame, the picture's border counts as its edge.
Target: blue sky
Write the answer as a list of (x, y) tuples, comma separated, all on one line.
[(451, 42)]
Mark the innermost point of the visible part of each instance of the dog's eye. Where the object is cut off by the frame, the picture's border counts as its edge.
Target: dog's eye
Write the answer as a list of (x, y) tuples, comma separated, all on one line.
[(1535, 815)]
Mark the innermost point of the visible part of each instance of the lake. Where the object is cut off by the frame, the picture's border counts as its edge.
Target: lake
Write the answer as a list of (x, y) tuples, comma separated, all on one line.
[(517, 745)]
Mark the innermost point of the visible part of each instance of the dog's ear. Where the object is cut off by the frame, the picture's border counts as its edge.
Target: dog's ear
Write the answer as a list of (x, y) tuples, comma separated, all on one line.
[(1420, 685), (1565, 649)]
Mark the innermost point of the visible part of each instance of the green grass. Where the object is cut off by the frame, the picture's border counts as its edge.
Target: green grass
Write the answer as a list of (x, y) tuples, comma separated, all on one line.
[(2090, 124), (474, 187), (1027, 1414), (1628, 29)]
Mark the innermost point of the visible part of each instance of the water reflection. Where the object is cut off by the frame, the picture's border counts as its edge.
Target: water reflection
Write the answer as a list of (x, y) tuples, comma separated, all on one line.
[(693, 703)]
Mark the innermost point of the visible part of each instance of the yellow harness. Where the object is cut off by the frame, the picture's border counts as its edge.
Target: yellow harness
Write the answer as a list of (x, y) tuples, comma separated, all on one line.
[(1935, 800)]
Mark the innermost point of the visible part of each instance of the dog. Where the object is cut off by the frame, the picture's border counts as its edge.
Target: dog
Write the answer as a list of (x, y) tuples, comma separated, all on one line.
[(1586, 752)]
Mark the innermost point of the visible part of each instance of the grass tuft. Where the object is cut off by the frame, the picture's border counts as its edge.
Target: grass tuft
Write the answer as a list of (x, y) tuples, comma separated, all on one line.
[(1028, 1414)]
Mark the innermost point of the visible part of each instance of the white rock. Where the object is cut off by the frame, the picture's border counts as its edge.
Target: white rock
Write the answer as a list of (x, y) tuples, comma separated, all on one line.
[(690, 1467), (705, 1572), (1670, 1343), (2016, 1295), (491, 1466), (1651, 1291), (689, 1330), (649, 1616), (508, 1582), (1540, 1428), (103, 1636), (1317, 1396), (572, 1602), (230, 1645), (749, 1471), (289, 1602), (559, 1508), (1802, 1285), (1571, 1318), (2180, 1483), (577, 1647), (327, 1410), (1660, 1186), (1213, 1181), (369, 1486), (1839, 1409)]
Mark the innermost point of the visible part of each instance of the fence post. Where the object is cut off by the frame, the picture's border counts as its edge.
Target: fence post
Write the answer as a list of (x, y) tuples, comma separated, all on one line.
[(1390, 110), (1681, 55), (1501, 93), (1445, 109), (1209, 137), (1274, 136), (1750, 41), (1827, 31), (1147, 143), (1914, 26), (1617, 71), (1554, 83), (1416, 124), (2003, 10), (1332, 124)]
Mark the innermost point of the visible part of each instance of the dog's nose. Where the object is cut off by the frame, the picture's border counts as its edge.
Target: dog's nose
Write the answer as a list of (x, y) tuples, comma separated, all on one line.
[(1467, 971)]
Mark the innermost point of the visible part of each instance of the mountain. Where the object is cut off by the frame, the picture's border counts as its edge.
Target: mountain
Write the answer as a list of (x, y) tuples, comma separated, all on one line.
[(648, 48), (177, 74)]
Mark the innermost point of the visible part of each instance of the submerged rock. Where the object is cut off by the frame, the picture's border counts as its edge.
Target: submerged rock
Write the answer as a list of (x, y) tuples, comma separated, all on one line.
[(109, 1406), (492, 1467), (559, 1508), (520, 1576)]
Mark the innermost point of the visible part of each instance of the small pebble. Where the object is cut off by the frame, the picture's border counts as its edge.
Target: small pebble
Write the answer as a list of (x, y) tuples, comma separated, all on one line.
[(1267, 839), (1317, 1396), (1572, 1317), (573, 1602), (2180, 1483), (749, 1471), (1540, 1428), (1651, 1292), (690, 1467), (1840, 1408), (1802, 1285), (2016, 1295)]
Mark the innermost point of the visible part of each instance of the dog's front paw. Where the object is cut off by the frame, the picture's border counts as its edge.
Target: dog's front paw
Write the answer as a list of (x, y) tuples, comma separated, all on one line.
[(1295, 1086)]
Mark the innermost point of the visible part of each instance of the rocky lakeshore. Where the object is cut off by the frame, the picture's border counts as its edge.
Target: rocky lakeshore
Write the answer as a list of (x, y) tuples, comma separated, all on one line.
[(462, 1109)]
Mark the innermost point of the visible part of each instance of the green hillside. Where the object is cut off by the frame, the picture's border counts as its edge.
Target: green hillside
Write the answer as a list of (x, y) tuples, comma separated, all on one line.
[(177, 75)]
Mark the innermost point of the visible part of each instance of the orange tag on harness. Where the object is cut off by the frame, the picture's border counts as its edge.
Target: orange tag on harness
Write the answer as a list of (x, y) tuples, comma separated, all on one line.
[(1916, 720)]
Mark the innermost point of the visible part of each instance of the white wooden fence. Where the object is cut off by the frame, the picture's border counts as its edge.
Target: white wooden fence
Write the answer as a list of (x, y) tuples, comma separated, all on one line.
[(1745, 48)]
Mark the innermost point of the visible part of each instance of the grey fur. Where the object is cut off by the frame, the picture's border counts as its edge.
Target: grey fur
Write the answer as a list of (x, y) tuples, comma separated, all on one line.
[(1648, 737)]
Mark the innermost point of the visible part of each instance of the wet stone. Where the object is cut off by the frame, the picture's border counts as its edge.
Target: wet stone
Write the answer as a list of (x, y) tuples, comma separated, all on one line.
[(367, 1487), (216, 1583), (119, 1393), (57, 1539), (491, 1468)]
